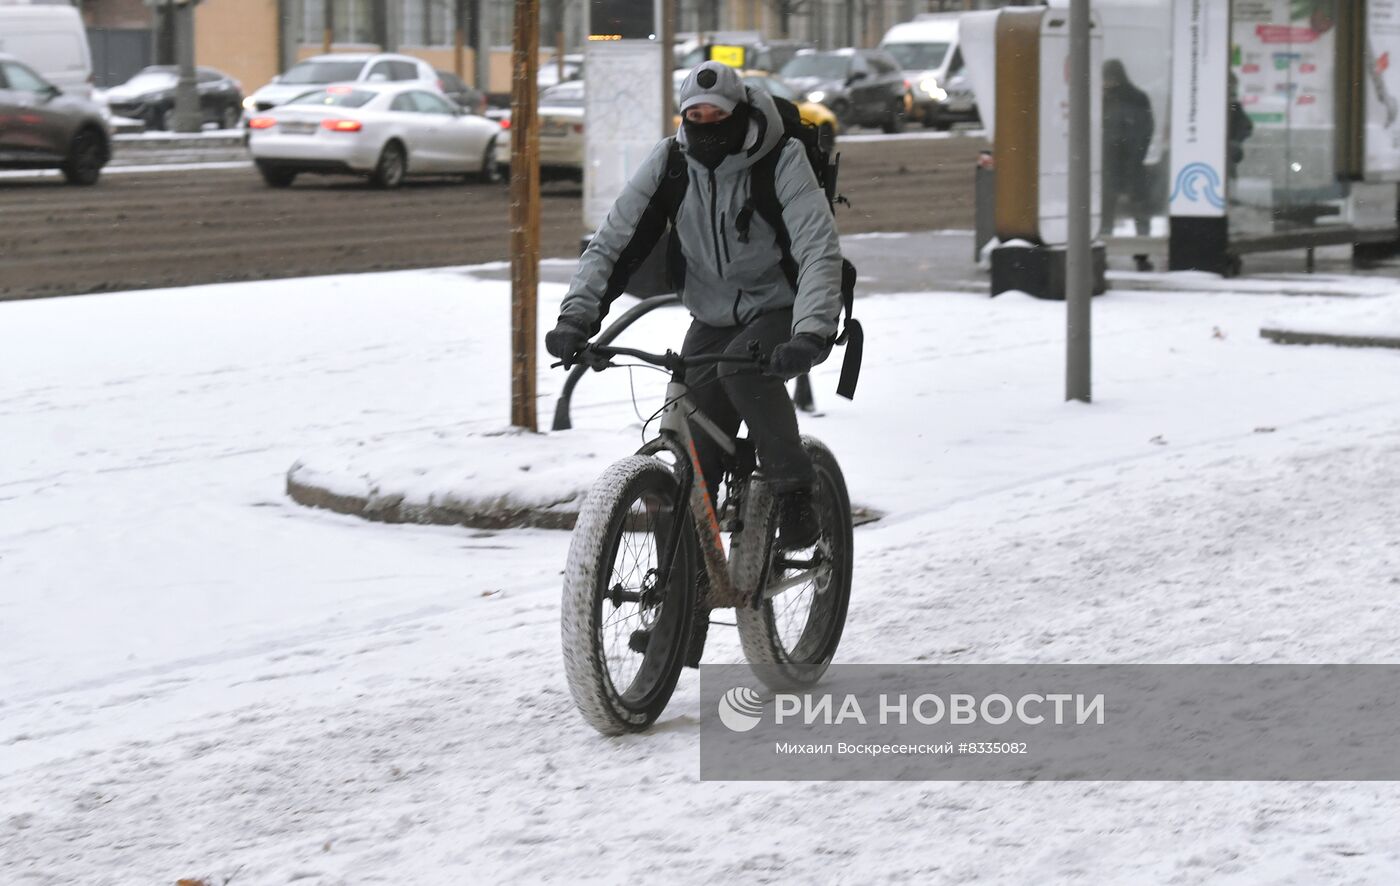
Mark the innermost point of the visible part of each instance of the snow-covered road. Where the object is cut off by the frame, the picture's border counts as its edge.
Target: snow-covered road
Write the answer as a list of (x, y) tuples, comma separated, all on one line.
[(200, 679)]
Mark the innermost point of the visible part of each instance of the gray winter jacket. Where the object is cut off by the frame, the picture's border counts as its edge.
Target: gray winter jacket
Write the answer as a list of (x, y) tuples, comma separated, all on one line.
[(726, 282)]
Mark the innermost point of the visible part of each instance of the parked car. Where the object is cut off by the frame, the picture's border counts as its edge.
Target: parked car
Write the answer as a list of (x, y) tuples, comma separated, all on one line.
[(758, 53), (548, 74), (815, 113), (930, 58), (862, 87), (741, 49), (52, 41), (341, 67), (468, 98), (385, 131), (42, 127), (150, 96), (561, 131)]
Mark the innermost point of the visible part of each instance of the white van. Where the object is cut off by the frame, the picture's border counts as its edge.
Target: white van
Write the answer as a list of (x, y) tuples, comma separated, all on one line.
[(52, 41), (928, 53)]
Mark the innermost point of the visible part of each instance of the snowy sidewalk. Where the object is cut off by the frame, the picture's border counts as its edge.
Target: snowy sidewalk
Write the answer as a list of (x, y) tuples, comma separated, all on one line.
[(202, 679)]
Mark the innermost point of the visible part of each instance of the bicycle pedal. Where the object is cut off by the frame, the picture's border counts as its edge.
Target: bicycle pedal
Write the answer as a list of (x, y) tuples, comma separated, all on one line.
[(639, 641)]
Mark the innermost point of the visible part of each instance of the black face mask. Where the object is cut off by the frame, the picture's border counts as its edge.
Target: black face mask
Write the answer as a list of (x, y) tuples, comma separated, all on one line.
[(710, 143)]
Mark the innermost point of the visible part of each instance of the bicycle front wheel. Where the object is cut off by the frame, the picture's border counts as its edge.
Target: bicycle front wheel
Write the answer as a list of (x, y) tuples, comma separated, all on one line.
[(625, 629), (791, 635)]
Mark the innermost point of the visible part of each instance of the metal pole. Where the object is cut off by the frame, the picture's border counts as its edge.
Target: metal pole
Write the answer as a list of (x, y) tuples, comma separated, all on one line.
[(327, 26), (187, 116), (481, 46), (1078, 276), (524, 212), (668, 64)]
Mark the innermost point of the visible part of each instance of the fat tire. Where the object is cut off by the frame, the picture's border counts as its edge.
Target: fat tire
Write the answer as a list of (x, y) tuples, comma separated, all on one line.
[(758, 630), (589, 568)]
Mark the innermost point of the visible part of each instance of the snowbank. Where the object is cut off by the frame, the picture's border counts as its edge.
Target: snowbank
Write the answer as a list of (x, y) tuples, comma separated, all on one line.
[(1368, 323), (493, 480)]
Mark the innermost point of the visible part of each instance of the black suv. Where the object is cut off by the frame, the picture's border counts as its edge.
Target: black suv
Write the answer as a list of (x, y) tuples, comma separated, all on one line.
[(862, 87)]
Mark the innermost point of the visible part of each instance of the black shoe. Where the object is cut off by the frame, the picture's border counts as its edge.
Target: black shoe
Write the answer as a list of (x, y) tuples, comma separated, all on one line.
[(797, 521), (1144, 264)]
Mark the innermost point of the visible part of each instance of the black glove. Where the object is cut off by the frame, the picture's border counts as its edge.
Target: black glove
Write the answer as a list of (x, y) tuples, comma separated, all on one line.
[(565, 340), (792, 358)]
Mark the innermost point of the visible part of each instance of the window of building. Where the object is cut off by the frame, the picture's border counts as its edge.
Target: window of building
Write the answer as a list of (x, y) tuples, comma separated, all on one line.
[(427, 23), (353, 21)]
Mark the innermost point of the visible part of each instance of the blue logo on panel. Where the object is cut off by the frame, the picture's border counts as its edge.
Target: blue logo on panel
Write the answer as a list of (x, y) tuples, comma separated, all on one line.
[(1197, 182)]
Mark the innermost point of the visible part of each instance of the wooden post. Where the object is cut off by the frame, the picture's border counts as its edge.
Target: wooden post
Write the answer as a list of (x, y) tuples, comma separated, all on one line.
[(327, 27), (559, 56), (524, 212)]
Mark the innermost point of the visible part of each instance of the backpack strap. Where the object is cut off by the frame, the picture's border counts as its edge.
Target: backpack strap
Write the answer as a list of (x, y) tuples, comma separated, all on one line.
[(763, 190), (665, 202)]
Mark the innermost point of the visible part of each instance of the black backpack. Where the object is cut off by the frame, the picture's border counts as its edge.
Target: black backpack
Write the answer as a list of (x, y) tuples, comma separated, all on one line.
[(764, 193)]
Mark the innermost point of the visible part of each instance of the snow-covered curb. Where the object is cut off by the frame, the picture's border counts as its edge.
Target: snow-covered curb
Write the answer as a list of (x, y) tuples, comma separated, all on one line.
[(500, 480), (1372, 323)]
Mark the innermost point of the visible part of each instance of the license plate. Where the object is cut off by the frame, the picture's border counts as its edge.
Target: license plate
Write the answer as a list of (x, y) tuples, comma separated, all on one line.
[(298, 128)]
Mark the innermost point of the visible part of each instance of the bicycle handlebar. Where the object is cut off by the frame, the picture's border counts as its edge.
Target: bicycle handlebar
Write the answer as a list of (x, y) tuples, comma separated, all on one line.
[(597, 357)]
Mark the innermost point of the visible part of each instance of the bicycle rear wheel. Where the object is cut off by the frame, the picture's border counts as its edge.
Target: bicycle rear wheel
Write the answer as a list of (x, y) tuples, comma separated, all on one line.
[(792, 635), (624, 630)]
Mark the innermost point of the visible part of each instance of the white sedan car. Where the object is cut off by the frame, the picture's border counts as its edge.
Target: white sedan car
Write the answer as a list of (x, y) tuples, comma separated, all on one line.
[(384, 131), (561, 131)]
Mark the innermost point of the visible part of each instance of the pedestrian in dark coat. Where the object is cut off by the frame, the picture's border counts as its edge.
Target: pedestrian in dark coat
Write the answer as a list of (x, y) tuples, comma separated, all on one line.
[(1127, 133)]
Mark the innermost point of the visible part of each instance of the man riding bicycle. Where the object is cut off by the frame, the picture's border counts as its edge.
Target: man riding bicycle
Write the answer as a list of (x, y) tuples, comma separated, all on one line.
[(731, 278)]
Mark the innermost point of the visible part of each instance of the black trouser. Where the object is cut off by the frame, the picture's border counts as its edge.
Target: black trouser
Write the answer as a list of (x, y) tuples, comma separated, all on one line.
[(760, 401), (1132, 183)]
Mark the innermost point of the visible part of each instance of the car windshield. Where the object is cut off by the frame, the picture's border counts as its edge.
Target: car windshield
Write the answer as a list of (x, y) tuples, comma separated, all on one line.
[(335, 97), (322, 72), (150, 81), (826, 67), (917, 56), (569, 95)]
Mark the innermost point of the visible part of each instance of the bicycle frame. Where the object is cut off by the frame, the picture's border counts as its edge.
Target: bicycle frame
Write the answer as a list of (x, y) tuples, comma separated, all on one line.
[(734, 577)]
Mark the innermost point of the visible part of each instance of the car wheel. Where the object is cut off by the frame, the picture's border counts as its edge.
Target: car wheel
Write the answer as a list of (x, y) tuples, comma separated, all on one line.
[(276, 176), (842, 110), (391, 168), (826, 137), (895, 121), (85, 159), (491, 169), (230, 117)]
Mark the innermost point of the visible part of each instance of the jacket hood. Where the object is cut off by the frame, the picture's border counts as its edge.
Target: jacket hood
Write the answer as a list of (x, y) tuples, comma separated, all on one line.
[(765, 131)]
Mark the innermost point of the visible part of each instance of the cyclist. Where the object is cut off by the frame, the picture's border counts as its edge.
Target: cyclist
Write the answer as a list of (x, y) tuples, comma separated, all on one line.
[(732, 282)]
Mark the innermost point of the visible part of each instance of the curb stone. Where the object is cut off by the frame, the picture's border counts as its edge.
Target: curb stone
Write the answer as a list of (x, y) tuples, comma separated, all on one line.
[(474, 515)]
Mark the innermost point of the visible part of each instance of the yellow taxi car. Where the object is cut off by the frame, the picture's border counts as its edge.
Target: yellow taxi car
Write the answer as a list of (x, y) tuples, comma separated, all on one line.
[(815, 113)]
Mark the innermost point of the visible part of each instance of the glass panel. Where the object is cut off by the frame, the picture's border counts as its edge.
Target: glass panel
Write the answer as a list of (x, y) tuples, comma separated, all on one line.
[(1135, 161), (1282, 117)]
